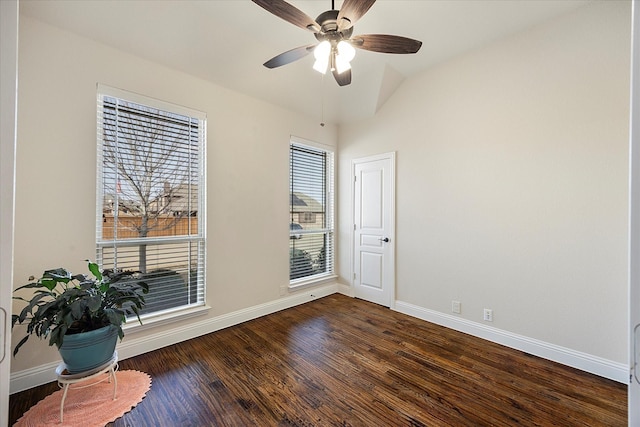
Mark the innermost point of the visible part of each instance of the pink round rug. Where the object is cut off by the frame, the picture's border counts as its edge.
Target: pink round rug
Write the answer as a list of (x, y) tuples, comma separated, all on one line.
[(90, 406)]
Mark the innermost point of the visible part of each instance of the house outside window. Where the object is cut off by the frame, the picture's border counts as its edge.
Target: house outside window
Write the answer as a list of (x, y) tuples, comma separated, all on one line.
[(311, 213), (150, 197), (307, 217)]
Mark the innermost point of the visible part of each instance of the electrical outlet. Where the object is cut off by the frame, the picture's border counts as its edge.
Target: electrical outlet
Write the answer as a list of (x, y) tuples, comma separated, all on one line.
[(455, 307), (488, 315)]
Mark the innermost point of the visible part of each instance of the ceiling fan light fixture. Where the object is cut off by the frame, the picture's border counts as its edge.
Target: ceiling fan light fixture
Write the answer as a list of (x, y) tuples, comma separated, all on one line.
[(321, 66), (341, 64), (321, 53), (345, 53)]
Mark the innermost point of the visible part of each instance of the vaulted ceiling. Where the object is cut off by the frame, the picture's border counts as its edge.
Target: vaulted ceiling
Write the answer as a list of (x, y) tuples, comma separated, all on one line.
[(227, 41)]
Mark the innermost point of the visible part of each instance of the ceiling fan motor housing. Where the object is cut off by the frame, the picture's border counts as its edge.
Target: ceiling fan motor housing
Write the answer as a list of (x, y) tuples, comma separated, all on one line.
[(328, 22)]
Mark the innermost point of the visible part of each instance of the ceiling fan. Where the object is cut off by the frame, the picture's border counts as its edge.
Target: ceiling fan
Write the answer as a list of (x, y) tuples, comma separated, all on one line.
[(333, 30)]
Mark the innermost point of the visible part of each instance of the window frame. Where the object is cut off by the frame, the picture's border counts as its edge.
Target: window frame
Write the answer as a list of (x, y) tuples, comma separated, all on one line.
[(198, 238), (329, 229)]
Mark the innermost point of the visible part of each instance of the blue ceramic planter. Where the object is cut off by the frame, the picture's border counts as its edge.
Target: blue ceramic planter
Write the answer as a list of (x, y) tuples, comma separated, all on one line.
[(88, 350)]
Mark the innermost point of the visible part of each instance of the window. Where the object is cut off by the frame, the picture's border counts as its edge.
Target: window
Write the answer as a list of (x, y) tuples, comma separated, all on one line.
[(150, 196), (311, 233)]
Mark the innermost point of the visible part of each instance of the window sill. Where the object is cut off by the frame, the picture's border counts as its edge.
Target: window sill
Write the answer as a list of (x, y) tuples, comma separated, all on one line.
[(305, 283), (163, 318)]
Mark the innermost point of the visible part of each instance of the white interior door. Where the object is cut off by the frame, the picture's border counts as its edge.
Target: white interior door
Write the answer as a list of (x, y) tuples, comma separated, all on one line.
[(374, 229), (634, 228), (8, 86)]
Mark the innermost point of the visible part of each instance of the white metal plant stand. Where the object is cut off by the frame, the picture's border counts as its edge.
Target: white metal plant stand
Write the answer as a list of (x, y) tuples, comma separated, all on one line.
[(65, 380)]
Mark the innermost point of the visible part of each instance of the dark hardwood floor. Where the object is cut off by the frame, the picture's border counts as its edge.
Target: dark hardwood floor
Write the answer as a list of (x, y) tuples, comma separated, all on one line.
[(339, 361)]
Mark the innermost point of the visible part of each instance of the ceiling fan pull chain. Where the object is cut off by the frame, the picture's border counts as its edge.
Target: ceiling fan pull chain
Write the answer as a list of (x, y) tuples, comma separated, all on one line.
[(322, 102)]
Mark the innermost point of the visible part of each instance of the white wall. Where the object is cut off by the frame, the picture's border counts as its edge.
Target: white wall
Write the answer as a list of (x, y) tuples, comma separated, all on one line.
[(512, 172), (248, 161), (8, 86)]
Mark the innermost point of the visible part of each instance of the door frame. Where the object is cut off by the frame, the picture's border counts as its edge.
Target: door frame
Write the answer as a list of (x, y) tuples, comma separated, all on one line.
[(9, 21), (391, 156), (634, 223)]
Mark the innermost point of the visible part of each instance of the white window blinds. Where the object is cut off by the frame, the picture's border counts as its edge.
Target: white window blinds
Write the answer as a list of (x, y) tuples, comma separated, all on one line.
[(311, 230), (150, 188)]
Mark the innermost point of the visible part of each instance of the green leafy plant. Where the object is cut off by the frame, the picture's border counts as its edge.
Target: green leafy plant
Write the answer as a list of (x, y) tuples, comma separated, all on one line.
[(64, 303)]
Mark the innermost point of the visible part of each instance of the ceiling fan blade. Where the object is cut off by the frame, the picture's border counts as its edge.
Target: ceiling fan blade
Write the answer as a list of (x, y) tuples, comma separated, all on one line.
[(351, 11), (289, 13), (385, 43), (343, 78), (289, 56)]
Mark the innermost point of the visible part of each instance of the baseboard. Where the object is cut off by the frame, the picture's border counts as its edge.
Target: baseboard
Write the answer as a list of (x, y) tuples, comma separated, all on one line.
[(583, 361), (345, 290), (129, 347), (32, 377)]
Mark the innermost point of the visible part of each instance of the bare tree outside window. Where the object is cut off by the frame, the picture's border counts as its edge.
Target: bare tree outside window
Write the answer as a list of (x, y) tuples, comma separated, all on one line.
[(146, 158), (151, 176)]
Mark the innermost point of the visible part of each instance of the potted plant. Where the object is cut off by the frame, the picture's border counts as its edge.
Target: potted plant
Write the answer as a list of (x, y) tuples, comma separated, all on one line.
[(72, 308)]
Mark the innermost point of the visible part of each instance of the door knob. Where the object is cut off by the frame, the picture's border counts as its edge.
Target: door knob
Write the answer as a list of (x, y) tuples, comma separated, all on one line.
[(386, 239)]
